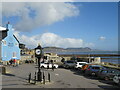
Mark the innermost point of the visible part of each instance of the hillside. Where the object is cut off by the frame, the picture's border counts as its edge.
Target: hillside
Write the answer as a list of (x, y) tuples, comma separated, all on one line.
[(57, 49)]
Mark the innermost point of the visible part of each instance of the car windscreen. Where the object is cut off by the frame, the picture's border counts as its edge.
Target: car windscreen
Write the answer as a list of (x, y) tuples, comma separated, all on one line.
[(82, 63), (95, 67), (70, 62)]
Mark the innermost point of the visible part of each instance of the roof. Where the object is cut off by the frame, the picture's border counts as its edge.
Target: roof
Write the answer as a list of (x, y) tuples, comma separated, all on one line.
[(16, 38), (2, 28)]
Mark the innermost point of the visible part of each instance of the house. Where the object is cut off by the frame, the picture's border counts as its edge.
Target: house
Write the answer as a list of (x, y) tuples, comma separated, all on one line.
[(27, 54), (9, 45), (52, 56)]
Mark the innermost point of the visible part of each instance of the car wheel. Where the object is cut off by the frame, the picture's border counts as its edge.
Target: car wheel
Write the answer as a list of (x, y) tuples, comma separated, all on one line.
[(116, 80), (106, 78), (67, 66), (54, 67), (42, 67), (93, 74), (79, 68)]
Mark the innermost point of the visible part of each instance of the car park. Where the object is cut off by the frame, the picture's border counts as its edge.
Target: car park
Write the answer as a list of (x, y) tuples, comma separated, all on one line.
[(80, 64), (93, 69), (48, 65), (108, 74), (69, 64)]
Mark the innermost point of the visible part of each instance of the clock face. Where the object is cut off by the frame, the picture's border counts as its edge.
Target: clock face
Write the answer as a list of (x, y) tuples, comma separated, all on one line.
[(38, 51)]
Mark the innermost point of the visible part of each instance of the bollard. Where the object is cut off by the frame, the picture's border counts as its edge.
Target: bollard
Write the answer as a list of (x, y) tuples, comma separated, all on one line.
[(35, 78), (29, 78), (49, 77), (3, 70), (43, 78)]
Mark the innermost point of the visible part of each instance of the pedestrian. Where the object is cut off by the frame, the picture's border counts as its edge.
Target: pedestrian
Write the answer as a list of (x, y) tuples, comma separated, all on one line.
[(14, 62), (10, 62), (52, 66), (47, 65)]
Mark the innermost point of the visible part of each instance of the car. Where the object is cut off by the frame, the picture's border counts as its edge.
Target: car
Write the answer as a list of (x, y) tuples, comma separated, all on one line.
[(116, 79), (69, 64), (93, 70), (85, 66), (80, 64), (48, 65), (107, 74)]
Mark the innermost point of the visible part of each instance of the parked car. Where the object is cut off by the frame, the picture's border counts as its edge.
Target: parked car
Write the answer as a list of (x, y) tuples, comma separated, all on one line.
[(48, 65), (93, 69), (116, 79), (69, 64), (80, 64), (107, 74)]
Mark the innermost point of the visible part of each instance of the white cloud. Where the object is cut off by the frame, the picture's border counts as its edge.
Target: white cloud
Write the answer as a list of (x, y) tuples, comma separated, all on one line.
[(51, 39), (102, 38), (37, 14)]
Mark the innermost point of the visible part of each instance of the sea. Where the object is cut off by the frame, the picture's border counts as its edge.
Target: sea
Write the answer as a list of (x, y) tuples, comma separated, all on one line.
[(111, 59)]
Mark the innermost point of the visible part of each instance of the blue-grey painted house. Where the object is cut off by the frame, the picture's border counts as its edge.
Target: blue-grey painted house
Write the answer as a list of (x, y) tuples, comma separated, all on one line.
[(9, 45)]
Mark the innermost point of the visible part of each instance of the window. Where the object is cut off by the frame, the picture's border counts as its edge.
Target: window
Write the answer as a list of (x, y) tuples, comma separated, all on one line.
[(104, 71), (70, 62), (81, 63), (95, 67)]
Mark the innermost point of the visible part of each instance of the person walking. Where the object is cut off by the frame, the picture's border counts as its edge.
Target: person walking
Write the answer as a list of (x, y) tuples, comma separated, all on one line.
[(52, 66), (47, 65), (14, 62)]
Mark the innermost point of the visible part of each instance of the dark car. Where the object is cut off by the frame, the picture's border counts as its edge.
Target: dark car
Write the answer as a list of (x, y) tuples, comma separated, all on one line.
[(93, 69), (108, 74)]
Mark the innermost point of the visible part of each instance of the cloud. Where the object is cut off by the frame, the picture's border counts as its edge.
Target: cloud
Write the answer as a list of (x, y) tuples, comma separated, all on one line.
[(37, 14), (51, 39), (102, 38)]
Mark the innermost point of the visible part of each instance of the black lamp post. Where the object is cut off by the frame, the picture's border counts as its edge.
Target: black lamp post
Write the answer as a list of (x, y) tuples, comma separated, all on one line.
[(38, 54)]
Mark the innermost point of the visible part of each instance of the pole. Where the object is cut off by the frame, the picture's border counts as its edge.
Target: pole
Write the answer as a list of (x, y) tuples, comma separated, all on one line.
[(39, 71), (43, 78), (49, 77)]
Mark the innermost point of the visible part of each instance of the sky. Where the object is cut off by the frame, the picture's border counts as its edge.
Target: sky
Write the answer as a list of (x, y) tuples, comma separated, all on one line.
[(73, 24)]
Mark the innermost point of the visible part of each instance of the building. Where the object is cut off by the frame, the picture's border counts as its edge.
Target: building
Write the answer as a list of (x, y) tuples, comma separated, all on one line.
[(52, 56), (27, 54), (9, 45)]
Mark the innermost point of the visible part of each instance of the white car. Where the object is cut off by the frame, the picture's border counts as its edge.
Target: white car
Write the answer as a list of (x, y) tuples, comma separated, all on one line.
[(48, 65), (80, 64)]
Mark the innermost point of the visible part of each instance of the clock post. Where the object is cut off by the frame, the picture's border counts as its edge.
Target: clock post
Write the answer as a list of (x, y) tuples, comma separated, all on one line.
[(38, 55)]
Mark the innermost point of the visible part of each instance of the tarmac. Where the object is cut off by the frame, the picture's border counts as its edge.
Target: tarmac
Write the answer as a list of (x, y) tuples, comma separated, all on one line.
[(17, 77)]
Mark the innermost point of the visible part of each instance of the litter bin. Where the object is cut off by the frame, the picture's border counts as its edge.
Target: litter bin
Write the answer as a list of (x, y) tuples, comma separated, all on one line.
[(3, 70)]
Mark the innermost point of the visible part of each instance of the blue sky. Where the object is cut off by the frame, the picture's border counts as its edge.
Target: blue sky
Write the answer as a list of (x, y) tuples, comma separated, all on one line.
[(95, 25)]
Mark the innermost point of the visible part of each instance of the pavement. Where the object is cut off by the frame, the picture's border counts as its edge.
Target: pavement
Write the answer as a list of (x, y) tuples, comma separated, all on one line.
[(16, 77)]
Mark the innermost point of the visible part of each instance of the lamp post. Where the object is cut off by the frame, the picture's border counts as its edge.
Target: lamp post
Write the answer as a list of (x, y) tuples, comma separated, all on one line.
[(38, 55)]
